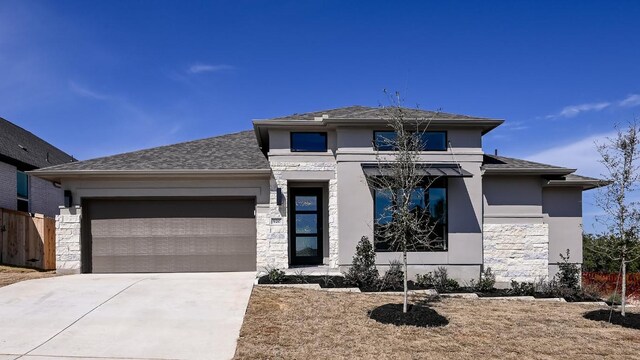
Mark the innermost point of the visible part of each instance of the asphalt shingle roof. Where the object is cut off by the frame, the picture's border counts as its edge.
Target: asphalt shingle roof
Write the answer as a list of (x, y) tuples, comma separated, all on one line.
[(21, 145), (233, 151), (575, 177), (502, 162), (366, 112)]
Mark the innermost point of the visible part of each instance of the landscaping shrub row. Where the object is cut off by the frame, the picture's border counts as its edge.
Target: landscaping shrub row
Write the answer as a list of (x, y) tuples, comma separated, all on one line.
[(364, 275)]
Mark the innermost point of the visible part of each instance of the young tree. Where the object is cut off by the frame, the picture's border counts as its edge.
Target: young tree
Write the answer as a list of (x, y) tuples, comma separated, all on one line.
[(620, 155), (406, 223)]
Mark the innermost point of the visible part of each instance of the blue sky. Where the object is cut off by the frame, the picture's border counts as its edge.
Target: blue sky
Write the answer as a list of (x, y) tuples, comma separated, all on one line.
[(98, 78)]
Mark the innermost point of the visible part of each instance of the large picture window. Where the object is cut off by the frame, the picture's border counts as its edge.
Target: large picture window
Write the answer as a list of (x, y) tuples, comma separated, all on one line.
[(23, 191), (432, 201), (430, 140)]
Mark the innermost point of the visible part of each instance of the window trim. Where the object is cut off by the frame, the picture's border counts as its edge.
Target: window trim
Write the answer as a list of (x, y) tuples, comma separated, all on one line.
[(446, 139), (326, 136), (446, 225)]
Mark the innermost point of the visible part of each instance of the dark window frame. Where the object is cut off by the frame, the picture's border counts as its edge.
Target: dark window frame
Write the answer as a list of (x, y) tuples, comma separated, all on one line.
[(445, 184), (293, 133), (446, 139), (292, 213), (20, 200)]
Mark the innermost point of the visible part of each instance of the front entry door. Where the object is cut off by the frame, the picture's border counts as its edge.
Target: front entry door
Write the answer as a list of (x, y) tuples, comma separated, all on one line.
[(305, 225)]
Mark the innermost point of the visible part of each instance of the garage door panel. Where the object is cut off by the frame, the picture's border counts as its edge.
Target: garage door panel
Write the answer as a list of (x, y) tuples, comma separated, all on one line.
[(178, 245), (224, 241), (172, 227), (173, 263)]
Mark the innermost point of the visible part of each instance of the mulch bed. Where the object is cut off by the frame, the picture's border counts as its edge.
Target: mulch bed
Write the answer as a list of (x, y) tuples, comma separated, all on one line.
[(631, 320), (323, 281), (416, 315), (333, 281)]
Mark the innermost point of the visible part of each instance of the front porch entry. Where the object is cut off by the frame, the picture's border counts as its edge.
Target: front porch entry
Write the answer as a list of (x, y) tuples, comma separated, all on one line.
[(306, 220)]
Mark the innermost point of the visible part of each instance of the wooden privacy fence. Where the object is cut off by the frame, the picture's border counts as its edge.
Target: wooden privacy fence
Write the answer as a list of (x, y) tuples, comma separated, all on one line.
[(27, 240)]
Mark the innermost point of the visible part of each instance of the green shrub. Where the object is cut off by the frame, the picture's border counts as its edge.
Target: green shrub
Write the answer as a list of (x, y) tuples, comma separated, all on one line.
[(363, 272), (439, 280), (487, 281), (568, 276), (523, 288), (275, 275), (426, 280), (615, 298), (393, 278)]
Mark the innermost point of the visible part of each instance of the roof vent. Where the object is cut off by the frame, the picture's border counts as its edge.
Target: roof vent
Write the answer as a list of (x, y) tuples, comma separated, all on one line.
[(495, 152), (22, 147)]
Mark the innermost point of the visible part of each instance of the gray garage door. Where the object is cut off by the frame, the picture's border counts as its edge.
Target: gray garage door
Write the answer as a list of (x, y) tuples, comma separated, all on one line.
[(150, 235)]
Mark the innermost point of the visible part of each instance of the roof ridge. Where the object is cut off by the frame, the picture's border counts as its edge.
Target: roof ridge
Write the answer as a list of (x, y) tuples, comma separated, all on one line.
[(361, 111)]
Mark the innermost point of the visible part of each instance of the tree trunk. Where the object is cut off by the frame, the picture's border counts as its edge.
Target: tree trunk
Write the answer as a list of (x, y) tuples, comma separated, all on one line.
[(406, 287), (624, 286)]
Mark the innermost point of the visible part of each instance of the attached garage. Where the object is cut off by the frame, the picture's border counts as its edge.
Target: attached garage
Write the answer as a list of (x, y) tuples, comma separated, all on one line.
[(125, 235)]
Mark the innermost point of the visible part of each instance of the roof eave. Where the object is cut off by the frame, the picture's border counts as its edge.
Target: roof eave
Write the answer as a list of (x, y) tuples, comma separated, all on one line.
[(528, 171), (58, 175), (584, 184), (486, 124)]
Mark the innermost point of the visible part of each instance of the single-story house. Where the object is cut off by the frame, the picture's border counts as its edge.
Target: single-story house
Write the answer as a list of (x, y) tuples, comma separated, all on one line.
[(293, 191), (20, 152)]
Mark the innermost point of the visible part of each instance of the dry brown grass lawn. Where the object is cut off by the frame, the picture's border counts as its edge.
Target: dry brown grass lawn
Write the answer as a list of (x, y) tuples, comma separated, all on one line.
[(308, 324), (10, 274)]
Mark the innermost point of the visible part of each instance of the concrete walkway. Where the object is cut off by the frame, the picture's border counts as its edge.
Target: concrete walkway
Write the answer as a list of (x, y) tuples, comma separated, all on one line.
[(129, 316)]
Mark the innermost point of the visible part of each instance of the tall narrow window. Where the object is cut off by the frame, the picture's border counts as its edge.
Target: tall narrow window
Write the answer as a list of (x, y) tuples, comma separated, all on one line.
[(23, 191)]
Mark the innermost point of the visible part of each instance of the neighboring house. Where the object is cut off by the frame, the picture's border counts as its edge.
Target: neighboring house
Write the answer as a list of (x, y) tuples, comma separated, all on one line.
[(22, 151), (294, 191)]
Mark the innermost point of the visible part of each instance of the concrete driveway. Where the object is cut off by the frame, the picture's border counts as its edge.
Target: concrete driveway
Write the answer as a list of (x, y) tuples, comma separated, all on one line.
[(129, 316)]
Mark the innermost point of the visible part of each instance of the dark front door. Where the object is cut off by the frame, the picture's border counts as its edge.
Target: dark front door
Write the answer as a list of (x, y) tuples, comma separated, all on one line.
[(305, 225)]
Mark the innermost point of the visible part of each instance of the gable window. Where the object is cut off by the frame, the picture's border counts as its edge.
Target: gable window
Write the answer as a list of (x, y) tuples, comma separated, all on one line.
[(23, 191), (432, 201), (309, 141), (430, 140)]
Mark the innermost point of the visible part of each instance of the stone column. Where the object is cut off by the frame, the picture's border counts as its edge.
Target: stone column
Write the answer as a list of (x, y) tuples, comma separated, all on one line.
[(68, 225)]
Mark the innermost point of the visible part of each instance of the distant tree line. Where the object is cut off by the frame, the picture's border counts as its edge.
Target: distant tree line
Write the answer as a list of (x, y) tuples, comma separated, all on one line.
[(596, 261)]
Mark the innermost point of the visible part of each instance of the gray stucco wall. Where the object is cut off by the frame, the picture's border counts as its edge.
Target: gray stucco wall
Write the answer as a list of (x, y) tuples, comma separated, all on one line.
[(525, 202), (355, 203), (512, 199), (8, 183), (348, 147), (562, 208), (169, 187)]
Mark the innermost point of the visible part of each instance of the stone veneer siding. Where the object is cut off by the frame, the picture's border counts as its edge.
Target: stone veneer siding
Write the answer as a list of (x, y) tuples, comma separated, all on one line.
[(68, 240), (272, 228), (517, 251)]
